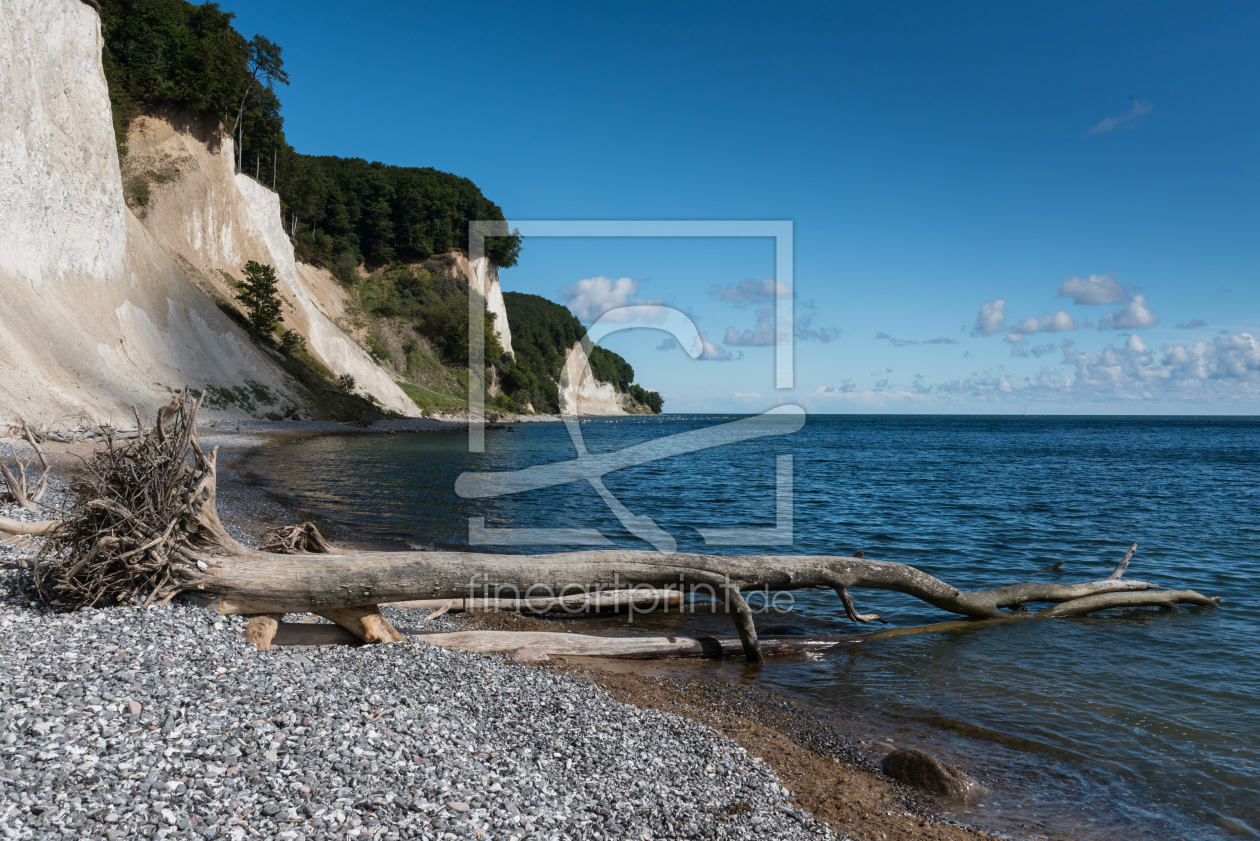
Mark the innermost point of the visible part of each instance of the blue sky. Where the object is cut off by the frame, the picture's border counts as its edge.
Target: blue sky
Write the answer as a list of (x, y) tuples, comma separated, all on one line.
[(1091, 166)]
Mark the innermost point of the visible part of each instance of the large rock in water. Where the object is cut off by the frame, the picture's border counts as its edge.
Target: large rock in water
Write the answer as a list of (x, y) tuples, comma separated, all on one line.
[(924, 771)]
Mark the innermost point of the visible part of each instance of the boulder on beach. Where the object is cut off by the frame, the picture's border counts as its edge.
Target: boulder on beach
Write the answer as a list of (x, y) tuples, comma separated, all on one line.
[(924, 771), (530, 655)]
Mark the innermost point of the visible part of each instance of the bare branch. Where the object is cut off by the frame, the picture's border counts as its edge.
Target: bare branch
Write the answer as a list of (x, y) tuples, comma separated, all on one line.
[(1123, 565), (21, 527)]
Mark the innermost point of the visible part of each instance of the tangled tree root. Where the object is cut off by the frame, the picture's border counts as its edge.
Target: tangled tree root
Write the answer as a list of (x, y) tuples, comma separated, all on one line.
[(296, 540), (126, 533)]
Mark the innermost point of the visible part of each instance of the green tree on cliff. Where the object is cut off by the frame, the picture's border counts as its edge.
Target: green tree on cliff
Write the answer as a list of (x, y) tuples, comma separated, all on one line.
[(261, 298)]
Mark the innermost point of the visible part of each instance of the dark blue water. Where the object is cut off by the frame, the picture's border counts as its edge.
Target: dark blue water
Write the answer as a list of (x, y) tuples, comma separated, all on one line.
[(1136, 723)]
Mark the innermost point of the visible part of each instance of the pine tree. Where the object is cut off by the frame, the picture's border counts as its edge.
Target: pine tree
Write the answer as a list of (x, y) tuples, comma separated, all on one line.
[(261, 298)]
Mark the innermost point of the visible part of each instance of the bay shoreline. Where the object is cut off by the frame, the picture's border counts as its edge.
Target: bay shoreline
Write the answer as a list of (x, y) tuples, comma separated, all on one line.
[(784, 732), (831, 775)]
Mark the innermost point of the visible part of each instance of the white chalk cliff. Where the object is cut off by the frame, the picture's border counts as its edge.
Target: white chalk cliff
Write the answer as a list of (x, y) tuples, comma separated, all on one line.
[(580, 392), (483, 278), (95, 316), (100, 309)]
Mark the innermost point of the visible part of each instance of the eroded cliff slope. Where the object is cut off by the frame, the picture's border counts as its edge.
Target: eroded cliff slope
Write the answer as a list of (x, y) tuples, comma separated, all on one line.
[(95, 315), (213, 219)]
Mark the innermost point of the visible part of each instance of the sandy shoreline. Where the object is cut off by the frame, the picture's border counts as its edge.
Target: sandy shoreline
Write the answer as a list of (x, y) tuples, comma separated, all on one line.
[(827, 774)]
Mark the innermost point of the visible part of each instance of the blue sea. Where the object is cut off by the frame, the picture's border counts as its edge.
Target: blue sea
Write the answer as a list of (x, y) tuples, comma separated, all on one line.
[(1135, 723)]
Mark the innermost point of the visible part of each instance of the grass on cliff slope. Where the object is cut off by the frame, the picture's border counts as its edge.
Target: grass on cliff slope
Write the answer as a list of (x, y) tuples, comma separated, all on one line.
[(325, 399)]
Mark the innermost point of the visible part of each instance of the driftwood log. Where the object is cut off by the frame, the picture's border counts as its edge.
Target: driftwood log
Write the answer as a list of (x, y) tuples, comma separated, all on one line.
[(144, 525), (9, 526), (642, 599)]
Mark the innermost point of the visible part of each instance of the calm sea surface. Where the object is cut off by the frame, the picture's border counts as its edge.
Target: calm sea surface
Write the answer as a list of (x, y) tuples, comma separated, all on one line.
[(1136, 723)]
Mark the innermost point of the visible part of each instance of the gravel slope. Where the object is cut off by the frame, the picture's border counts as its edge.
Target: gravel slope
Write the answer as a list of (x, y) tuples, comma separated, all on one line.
[(164, 723)]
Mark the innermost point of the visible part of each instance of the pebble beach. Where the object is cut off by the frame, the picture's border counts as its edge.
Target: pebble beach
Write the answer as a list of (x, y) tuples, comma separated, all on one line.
[(164, 723)]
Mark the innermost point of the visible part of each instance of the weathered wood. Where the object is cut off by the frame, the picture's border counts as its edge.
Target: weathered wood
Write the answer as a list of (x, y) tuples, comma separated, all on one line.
[(365, 622), (851, 611), (622, 648), (743, 624), (241, 580), (18, 485), (604, 600), (441, 611), (21, 527), (304, 539), (262, 630), (1118, 572)]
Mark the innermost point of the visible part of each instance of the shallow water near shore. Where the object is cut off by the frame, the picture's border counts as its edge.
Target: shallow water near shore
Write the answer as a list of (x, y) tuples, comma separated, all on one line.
[(1130, 724)]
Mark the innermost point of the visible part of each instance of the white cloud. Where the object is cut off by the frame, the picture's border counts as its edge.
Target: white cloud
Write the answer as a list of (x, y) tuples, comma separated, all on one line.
[(1232, 357), (846, 387), (765, 334), (805, 331), (1112, 368), (752, 291), (1225, 369), (1128, 120), (1058, 322), (884, 394), (1192, 324), (1134, 315), (668, 344), (991, 319), (748, 395), (712, 352), (1094, 289), (595, 296), (938, 340), (1018, 349)]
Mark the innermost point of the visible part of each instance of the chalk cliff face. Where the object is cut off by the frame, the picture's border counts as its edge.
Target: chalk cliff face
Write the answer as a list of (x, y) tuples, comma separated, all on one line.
[(95, 316), (61, 208), (483, 278), (214, 219), (580, 392), (104, 307)]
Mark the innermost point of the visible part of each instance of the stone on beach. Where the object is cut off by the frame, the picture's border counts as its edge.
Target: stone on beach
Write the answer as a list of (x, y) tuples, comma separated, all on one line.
[(924, 771), (530, 655)]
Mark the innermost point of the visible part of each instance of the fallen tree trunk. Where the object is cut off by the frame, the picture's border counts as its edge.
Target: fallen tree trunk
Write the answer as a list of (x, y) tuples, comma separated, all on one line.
[(648, 598), (145, 521), (557, 644), (624, 648)]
